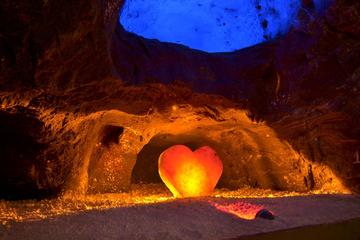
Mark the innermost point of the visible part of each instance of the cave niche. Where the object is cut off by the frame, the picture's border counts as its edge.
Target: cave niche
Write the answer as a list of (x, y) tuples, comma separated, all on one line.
[(146, 167), (252, 156)]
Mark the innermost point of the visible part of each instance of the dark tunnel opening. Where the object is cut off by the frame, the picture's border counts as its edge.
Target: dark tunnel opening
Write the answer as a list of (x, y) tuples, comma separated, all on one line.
[(111, 135), (19, 163)]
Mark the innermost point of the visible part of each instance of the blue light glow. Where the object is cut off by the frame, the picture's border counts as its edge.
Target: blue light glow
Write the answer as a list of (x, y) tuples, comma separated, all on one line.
[(210, 25), (321, 5)]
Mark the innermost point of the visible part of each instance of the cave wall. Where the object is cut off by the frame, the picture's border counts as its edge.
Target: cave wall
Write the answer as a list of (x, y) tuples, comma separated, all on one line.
[(76, 71), (265, 77), (305, 84), (46, 43)]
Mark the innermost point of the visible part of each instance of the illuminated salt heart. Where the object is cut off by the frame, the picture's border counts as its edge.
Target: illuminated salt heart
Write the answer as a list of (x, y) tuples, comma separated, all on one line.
[(190, 174)]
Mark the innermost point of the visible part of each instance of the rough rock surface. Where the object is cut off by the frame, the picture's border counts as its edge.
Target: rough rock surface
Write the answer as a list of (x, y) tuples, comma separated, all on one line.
[(82, 100)]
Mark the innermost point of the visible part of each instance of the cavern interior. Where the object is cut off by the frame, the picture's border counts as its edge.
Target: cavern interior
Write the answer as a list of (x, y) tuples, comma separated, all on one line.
[(180, 119)]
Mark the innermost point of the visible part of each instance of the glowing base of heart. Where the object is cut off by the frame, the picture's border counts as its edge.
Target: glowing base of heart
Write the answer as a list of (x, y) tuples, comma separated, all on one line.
[(190, 174)]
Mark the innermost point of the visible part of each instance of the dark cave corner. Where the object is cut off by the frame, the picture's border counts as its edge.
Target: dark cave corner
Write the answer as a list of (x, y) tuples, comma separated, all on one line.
[(111, 135), (23, 173)]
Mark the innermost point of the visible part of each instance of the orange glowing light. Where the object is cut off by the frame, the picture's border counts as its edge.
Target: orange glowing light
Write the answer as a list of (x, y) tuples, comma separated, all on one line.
[(190, 174), (240, 209)]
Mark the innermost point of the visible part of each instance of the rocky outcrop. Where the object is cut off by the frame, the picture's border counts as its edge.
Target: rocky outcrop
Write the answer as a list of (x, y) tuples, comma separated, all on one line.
[(95, 100)]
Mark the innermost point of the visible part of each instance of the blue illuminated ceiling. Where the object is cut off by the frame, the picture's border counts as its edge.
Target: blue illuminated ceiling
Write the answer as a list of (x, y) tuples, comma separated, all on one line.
[(210, 25)]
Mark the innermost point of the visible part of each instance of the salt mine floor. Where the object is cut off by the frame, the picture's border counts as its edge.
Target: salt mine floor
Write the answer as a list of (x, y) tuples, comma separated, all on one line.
[(152, 213)]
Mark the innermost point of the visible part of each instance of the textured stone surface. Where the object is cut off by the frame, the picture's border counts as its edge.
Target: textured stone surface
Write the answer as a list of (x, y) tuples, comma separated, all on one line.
[(282, 115)]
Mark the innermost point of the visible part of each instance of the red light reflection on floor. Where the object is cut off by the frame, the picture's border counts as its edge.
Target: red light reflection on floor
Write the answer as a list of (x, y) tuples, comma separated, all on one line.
[(240, 209)]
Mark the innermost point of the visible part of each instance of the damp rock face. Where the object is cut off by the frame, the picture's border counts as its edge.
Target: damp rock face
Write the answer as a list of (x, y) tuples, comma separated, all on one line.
[(86, 106)]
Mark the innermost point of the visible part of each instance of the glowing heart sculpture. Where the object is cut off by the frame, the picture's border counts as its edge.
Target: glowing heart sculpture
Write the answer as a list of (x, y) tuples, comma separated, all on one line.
[(190, 174)]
